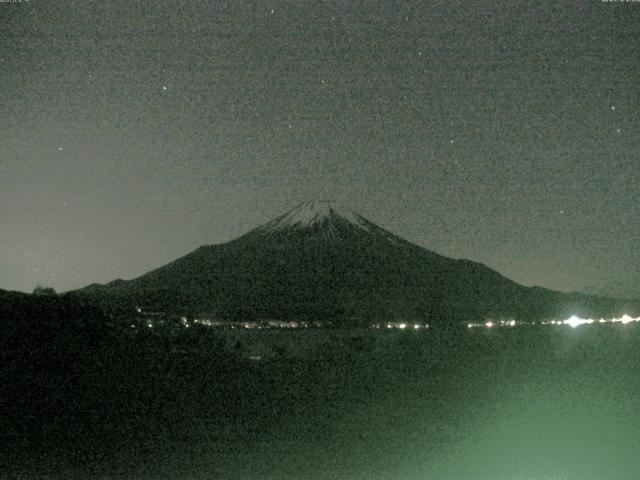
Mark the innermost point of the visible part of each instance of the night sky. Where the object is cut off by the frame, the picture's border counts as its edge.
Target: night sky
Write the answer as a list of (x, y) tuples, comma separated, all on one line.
[(506, 132)]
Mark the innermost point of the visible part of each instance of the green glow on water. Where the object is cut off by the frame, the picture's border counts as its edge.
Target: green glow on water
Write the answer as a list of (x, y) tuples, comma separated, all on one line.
[(489, 406), (484, 404)]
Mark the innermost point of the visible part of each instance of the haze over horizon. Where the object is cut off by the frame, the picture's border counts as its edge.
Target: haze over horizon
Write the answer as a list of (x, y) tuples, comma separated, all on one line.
[(506, 133)]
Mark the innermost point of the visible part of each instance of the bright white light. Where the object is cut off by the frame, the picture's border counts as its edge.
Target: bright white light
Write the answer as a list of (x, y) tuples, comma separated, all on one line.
[(627, 319), (574, 321), (512, 323), (403, 326), (488, 324)]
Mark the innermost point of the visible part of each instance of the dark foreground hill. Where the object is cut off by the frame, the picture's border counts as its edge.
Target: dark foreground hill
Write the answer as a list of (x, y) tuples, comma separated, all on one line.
[(80, 393), (320, 262)]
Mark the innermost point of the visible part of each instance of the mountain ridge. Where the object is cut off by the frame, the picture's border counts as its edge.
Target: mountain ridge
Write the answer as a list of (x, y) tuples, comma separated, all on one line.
[(320, 260)]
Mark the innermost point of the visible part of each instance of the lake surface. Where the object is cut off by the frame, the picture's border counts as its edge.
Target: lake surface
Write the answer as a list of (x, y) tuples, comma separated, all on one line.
[(497, 404)]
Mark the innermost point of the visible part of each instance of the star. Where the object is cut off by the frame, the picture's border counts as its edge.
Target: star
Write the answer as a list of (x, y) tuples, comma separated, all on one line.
[(452, 142), (618, 130), (164, 87), (60, 148), (613, 108)]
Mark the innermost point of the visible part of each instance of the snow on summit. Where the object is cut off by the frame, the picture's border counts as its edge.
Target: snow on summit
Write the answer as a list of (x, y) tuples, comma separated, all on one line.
[(314, 212)]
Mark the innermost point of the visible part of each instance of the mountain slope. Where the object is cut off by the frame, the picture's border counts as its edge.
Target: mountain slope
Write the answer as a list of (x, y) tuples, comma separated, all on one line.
[(321, 262)]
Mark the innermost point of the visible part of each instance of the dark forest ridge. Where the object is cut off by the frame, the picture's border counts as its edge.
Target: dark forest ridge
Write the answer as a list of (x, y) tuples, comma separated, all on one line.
[(321, 261)]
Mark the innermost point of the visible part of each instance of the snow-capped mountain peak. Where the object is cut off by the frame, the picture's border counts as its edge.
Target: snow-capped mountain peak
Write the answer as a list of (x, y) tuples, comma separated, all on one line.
[(309, 214)]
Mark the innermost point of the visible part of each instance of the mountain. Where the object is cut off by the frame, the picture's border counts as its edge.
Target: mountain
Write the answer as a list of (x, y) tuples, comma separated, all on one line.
[(319, 262)]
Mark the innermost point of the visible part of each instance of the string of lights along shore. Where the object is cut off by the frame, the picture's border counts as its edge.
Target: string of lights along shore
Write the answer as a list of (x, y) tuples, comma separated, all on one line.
[(505, 132)]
